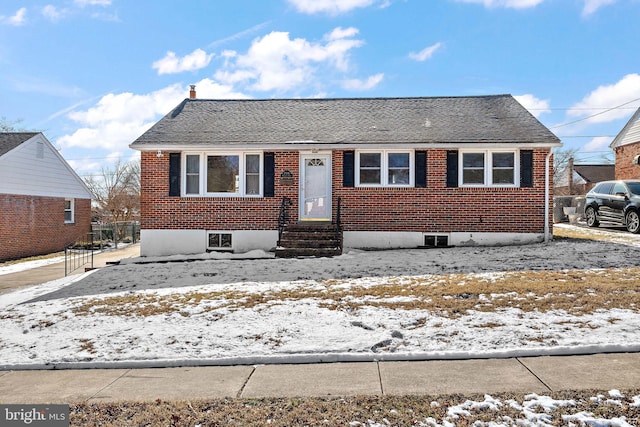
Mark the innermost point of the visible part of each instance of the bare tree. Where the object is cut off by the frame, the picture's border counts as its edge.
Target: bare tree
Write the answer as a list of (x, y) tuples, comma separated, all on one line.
[(561, 160), (116, 194), (9, 126)]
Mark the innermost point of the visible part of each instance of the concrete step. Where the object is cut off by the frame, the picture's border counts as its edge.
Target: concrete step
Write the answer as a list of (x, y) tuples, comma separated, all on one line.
[(282, 252)]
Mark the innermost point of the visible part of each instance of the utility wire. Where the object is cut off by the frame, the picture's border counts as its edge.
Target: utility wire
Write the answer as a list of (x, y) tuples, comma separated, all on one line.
[(594, 115)]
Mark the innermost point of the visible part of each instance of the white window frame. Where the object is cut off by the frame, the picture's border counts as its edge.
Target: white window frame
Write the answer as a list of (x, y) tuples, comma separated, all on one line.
[(488, 168), (71, 210), (219, 248), (202, 179), (384, 168)]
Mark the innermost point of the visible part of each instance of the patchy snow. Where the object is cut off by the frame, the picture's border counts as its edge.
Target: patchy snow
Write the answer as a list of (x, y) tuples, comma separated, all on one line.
[(28, 265), (225, 309), (252, 308), (534, 411)]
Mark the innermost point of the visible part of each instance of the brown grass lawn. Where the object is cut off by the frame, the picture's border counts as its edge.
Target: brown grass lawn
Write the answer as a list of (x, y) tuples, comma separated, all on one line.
[(576, 291), (339, 411)]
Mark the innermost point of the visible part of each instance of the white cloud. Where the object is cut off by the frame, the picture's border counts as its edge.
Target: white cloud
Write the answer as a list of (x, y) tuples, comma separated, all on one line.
[(277, 62), (599, 143), (53, 13), (511, 4), (361, 85), (536, 106), (600, 103), (92, 2), (591, 6), (171, 64), (118, 119), (18, 19), (425, 53), (332, 7)]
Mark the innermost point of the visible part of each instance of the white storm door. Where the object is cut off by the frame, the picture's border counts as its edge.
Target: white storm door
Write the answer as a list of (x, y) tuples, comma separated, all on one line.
[(315, 187)]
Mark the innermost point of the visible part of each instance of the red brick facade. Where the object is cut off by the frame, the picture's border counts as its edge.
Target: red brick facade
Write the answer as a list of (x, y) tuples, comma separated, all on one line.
[(31, 225), (625, 168), (435, 208)]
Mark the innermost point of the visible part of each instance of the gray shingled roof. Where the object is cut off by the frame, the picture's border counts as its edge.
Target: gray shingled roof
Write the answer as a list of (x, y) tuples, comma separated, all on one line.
[(596, 173), (10, 140), (474, 119)]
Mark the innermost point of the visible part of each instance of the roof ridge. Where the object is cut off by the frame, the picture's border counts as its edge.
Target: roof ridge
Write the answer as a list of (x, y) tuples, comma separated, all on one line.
[(385, 98)]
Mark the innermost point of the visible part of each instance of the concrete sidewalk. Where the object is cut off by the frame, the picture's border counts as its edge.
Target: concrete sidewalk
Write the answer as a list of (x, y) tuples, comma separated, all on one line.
[(525, 375), (47, 273)]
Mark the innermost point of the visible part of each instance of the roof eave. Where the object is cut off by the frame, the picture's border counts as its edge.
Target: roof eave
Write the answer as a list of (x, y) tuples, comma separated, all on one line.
[(310, 145)]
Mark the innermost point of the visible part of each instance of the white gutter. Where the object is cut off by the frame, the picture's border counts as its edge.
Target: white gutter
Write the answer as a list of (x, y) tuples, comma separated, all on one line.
[(547, 162)]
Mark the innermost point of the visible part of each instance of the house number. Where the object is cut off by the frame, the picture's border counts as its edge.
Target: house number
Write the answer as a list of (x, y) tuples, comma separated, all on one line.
[(286, 178)]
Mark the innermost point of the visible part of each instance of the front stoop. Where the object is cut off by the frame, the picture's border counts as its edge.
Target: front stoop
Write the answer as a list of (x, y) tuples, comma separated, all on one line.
[(309, 240)]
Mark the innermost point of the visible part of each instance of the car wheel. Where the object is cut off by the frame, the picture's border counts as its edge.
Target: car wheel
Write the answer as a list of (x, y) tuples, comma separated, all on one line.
[(590, 215), (633, 222)]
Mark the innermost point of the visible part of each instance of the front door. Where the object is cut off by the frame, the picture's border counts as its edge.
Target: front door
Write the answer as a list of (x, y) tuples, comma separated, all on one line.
[(315, 187)]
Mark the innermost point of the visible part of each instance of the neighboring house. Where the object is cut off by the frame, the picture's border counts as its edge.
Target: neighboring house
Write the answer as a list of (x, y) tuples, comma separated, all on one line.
[(579, 179), (402, 172), (44, 205), (626, 145)]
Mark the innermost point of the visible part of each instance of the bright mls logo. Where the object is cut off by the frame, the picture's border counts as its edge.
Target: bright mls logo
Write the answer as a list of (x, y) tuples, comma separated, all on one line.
[(34, 415)]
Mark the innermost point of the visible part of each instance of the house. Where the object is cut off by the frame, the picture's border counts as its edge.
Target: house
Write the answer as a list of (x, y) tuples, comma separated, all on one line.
[(579, 179), (44, 205), (386, 172), (626, 145)]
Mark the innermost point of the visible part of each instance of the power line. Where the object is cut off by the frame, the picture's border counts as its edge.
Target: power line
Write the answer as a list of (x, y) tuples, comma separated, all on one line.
[(594, 115)]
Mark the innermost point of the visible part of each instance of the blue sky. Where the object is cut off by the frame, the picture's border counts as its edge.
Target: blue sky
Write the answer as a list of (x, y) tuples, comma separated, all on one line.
[(95, 74)]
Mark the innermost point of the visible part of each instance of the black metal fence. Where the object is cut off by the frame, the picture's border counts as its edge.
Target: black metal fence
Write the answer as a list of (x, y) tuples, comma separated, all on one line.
[(119, 232)]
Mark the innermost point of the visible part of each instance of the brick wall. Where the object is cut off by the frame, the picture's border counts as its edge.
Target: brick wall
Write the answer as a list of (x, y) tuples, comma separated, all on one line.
[(625, 169), (32, 225), (432, 209)]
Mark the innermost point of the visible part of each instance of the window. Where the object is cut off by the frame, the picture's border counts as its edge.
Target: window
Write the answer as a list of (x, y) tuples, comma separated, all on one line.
[(219, 241), (252, 181), (618, 188), (489, 168), (384, 169), (473, 168), (193, 174), (503, 168), (436, 240), (370, 168), (69, 211), (225, 174)]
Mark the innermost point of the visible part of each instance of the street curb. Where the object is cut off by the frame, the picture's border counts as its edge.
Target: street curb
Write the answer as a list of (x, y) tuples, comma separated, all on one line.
[(321, 358)]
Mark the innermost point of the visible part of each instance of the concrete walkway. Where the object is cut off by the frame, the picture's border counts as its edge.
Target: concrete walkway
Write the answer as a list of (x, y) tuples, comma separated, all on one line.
[(47, 273), (525, 375)]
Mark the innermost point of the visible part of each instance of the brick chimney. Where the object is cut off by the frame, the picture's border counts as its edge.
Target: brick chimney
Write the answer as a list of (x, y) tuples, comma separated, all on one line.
[(192, 92)]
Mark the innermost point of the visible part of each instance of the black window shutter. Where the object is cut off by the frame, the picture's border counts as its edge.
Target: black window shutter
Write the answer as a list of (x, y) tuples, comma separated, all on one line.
[(526, 168), (348, 165), (452, 168), (269, 174), (421, 169), (174, 174)]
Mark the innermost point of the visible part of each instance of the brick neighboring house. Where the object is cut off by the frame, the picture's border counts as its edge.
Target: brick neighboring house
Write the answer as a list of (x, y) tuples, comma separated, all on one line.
[(626, 145), (44, 205), (408, 172)]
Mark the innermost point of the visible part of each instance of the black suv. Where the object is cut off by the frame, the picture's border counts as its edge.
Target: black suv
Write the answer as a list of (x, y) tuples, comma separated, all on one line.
[(616, 202)]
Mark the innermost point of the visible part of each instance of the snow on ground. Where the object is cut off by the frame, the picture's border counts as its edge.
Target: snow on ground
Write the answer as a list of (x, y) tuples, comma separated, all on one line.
[(243, 310), (534, 410), (27, 265)]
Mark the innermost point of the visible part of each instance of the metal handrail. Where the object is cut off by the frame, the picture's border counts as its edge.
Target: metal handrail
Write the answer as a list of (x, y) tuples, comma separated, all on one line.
[(339, 223), (283, 216), (79, 254)]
